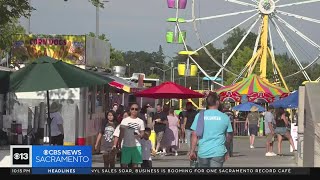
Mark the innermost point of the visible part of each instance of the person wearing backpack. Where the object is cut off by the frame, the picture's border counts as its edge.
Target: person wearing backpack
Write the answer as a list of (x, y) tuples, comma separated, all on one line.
[(209, 132)]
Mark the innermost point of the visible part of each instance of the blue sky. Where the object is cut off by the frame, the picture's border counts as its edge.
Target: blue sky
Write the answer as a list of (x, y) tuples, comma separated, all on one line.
[(141, 24)]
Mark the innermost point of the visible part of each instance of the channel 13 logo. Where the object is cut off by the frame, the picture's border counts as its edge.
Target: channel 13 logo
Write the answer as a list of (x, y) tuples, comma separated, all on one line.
[(21, 156)]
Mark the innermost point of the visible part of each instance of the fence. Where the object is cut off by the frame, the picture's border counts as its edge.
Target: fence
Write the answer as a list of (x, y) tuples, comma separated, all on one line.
[(239, 128)]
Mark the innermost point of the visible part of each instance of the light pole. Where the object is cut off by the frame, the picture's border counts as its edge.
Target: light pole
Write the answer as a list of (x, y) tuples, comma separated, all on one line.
[(164, 71), (97, 18), (170, 67), (173, 76), (199, 80)]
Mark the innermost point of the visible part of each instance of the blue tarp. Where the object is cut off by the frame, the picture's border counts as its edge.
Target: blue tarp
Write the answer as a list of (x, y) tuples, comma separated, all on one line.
[(291, 101), (247, 106)]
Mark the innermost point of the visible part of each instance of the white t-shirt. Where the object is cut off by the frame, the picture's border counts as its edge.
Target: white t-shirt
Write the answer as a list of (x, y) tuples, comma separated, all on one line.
[(130, 127), (146, 149), (116, 132), (56, 119)]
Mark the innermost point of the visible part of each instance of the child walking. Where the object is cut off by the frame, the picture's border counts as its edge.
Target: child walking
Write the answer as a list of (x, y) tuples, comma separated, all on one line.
[(146, 149), (107, 147)]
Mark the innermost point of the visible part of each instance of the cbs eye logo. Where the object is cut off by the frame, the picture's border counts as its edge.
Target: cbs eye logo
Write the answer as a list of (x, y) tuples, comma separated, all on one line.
[(20, 156)]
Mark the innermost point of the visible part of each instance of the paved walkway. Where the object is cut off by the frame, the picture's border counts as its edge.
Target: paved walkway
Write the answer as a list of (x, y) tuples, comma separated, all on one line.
[(243, 156)]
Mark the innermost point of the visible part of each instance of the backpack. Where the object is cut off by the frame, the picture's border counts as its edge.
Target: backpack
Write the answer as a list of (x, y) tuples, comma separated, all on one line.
[(200, 124)]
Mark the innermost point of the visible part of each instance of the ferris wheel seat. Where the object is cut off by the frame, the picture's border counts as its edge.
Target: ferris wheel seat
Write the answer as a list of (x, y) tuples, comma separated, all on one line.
[(189, 53), (181, 4), (180, 20), (190, 70), (172, 38), (181, 69)]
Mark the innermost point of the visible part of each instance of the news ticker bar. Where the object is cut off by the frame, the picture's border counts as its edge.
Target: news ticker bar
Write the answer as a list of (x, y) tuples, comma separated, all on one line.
[(160, 171)]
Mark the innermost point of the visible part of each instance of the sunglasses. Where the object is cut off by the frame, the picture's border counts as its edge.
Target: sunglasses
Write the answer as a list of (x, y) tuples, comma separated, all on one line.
[(136, 109)]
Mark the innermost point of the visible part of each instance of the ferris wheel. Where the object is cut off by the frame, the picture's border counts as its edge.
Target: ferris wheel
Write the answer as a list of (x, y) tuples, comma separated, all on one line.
[(265, 14)]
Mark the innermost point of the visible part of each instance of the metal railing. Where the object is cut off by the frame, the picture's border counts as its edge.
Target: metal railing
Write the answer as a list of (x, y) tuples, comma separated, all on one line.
[(239, 128)]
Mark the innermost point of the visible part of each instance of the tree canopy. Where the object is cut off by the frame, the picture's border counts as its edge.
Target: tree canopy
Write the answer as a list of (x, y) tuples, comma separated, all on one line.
[(10, 10)]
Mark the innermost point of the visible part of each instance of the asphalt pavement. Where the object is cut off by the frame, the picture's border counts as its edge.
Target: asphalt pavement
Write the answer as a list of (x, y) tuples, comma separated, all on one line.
[(243, 156)]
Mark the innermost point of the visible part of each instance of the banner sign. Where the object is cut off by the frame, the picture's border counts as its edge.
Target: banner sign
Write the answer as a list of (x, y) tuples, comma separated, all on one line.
[(68, 48), (164, 171), (61, 156)]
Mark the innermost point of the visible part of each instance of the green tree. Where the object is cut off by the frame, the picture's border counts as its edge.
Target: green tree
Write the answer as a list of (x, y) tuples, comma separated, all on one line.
[(314, 71), (116, 58), (97, 3), (141, 61), (160, 55), (288, 66), (7, 30), (235, 37), (238, 62), (11, 10), (153, 76)]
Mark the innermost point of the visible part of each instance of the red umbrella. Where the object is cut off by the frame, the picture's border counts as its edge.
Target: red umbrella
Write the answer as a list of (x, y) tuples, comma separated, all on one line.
[(169, 90)]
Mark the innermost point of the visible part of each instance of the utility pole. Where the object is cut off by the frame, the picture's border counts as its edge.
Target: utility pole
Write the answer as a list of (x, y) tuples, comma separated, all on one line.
[(97, 17), (29, 19), (222, 74), (97, 21), (185, 81), (172, 72), (198, 80), (164, 76)]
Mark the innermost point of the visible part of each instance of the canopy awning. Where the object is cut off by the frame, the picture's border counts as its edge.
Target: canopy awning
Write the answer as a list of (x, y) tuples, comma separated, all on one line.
[(292, 101), (169, 90), (255, 88), (119, 83)]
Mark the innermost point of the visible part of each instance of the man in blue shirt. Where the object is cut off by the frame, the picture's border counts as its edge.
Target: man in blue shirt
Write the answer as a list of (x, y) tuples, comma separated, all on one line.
[(216, 137)]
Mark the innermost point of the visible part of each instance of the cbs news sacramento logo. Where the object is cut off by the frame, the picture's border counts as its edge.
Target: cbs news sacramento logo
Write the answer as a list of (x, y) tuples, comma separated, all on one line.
[(21, 155), (50, 156)]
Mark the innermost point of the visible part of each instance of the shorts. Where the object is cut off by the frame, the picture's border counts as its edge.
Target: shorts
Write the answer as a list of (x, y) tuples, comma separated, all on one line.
[(146, 164), (159, 136), (57, 140), (270, 137), (281, 130), (131, 155), (253, 129), (109, 158)]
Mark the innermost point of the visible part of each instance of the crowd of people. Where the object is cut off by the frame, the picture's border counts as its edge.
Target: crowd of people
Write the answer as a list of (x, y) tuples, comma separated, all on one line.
[(125, 134), (208, 133)]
